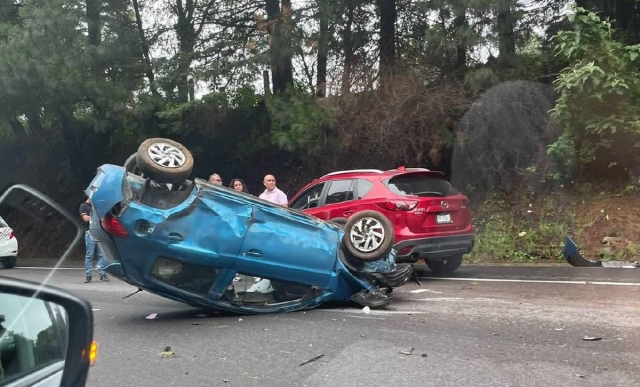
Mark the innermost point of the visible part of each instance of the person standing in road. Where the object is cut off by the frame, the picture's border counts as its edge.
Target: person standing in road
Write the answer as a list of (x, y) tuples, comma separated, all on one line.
[(272, 193), (92, 248)]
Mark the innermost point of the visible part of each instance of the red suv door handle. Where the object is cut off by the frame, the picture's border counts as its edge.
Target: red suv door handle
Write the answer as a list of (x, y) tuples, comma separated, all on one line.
[(348, 213)]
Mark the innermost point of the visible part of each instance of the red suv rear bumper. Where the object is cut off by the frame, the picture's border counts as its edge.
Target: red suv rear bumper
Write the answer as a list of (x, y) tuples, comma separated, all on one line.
[(412, 250)]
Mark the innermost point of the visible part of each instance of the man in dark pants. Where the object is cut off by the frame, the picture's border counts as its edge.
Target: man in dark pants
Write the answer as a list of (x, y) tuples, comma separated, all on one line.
[(85, 213)]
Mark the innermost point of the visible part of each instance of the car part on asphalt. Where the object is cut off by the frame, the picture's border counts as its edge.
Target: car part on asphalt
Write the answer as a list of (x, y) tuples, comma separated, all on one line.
[(203, 244), (431, 219), (572, 255)]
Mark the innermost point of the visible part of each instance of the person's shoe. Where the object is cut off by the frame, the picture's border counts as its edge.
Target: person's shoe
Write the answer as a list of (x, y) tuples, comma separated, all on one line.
[(87, 280), (104, 278)]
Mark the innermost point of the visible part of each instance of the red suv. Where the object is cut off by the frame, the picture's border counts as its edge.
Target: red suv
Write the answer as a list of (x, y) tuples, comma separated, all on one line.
[(431, 219)]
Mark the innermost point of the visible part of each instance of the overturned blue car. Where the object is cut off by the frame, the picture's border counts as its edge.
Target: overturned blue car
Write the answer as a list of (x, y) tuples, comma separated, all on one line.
[(209, 246)]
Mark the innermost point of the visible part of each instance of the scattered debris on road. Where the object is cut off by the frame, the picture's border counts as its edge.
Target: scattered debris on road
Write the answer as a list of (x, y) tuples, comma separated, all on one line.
[(167, 353), (589, 338), (313, 359), (408, 353), (366, 310), (136, 292), (152, 316)]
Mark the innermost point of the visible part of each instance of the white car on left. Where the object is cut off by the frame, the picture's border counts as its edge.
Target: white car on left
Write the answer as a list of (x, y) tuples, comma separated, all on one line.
[(8, 245)]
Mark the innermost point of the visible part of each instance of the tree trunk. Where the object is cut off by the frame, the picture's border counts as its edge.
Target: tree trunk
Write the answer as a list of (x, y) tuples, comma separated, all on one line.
[(93, 22), (347, 42), (34, 121), (74, 152), (286, 32), (323, 48), (280, 28), (192, 90), (186, 34), (506, 40), (17, 128), (460, 25), (265, 82), (387, 11), (145, 49)]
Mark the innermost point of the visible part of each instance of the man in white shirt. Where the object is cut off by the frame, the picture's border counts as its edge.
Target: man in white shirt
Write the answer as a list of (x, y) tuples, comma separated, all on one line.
[(272, 193)]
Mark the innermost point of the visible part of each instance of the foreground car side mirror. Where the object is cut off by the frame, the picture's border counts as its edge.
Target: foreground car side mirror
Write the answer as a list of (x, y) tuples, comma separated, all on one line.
[(46, 336)]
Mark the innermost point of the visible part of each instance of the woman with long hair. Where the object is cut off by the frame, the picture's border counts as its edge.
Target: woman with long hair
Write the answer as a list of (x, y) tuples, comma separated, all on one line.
[(239, 185)]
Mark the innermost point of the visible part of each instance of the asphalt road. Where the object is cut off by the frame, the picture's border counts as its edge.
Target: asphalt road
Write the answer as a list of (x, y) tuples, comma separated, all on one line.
[(459, 332)]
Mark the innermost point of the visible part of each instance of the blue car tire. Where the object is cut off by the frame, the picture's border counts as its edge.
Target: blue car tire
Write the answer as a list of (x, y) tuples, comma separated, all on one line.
[(368, 235), (164, 160)]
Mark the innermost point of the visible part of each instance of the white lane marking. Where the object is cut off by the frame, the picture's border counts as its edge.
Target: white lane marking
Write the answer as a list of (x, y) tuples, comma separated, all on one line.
[(49, 268), (373, 312), (424, 290), (538, 281), (368, 318)]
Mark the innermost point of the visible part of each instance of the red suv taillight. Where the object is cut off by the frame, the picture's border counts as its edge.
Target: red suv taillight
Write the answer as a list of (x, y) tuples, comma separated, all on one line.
[(112, 225), (12, 235), (398, 205)]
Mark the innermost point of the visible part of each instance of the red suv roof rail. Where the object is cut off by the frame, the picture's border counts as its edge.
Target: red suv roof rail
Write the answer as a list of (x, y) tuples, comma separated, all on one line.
[(353, 171), (402, 168)]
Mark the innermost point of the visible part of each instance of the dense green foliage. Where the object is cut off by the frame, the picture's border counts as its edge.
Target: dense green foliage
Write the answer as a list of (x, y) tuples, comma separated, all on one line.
[(599, 96)]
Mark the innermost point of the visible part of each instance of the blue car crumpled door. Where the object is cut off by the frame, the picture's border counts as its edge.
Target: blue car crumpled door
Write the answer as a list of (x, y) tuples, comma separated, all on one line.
[(198, 241), (284, 245)]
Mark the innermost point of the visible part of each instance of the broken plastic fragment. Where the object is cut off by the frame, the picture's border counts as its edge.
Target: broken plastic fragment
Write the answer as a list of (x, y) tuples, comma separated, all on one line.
[(366, 310), (152, 316), (407, 352), (589, 338), (167, 353), (522, 233), (312, 360)]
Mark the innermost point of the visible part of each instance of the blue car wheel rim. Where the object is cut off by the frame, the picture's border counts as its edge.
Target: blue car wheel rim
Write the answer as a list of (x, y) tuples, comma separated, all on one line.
[(367, 234), (166, 155)]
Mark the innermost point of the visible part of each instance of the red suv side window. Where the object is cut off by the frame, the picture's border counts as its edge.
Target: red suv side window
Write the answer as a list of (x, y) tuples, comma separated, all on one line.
[(364, 186), (309, 199), (340, 191)]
